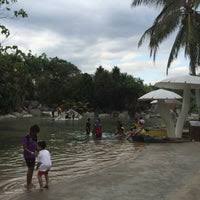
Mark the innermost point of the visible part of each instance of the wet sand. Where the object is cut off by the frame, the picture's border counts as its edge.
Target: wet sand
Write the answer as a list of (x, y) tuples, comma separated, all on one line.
[(158, 172)]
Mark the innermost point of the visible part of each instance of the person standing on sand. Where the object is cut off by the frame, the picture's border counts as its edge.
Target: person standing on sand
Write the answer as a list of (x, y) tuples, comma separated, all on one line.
[(29, 143)]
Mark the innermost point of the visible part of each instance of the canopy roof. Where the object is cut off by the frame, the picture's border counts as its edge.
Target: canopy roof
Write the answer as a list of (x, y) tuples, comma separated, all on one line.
[(169, 101), (180, 82), (160, 94)]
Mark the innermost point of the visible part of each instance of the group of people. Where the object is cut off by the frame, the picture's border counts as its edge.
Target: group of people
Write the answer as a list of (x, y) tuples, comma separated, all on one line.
[(136, 132), (97, 128), (36, 150), (36, 154), (38, 157)]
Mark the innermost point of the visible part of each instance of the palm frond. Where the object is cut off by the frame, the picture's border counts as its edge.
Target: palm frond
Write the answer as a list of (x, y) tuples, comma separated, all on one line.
[(175, 14), (196, 4), (147, 33), (193, 58), (154, 3), (176, 47), (164, 25), (147, 2)]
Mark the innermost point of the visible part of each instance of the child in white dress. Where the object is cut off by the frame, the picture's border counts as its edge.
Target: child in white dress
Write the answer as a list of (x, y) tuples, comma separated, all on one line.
[(44, 164)]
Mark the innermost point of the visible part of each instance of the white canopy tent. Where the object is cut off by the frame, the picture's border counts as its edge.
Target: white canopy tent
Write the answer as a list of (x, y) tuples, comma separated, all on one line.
[(160, 94), (166, 114), (170, 101), (185, 83)]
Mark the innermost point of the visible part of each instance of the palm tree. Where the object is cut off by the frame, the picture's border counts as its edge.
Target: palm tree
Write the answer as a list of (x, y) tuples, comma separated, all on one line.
[(176, 15)]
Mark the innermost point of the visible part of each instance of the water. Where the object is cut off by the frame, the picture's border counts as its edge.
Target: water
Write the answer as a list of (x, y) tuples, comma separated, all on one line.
[(73, 153)]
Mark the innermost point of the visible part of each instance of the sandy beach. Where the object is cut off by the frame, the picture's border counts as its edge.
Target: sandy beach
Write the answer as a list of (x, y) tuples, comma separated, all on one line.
[(159, 171)]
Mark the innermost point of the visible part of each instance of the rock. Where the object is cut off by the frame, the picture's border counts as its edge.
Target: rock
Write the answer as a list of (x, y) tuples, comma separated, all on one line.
[(89, 115), (8, 116), (115, 114), (124, 115), (27, 115), (17, 114), (46, 113), (45, 108), (35, 112), (104, 115), (147, 116), (24, 112), (33, 104)]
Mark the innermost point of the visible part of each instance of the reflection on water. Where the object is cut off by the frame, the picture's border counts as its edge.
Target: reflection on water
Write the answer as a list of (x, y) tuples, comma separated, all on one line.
[(73, 154)]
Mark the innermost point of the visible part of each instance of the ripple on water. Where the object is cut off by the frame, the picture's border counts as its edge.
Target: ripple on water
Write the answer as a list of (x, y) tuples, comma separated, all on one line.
[(69, 161)]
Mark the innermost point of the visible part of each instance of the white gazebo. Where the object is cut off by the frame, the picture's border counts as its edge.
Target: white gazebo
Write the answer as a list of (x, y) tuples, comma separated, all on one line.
[(161, 96), (185, 83)]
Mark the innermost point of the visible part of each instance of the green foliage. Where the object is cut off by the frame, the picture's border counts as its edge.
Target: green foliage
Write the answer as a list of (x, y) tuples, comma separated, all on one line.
[(15, 82), (116, 91), (51, 77), (82, 88), (7, 11), (28, 77), (53, 81)]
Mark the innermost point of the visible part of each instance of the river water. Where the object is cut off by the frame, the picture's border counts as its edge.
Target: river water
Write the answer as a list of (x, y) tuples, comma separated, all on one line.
[(73, 153)]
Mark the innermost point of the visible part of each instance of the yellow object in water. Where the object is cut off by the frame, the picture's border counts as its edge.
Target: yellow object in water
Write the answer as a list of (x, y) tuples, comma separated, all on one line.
[(157, 133)]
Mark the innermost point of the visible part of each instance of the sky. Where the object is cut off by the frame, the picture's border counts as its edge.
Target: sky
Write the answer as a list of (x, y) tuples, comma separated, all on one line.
[(90, 33)]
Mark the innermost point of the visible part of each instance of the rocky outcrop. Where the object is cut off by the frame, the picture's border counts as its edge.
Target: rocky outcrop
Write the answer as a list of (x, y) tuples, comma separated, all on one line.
[(35, 112)]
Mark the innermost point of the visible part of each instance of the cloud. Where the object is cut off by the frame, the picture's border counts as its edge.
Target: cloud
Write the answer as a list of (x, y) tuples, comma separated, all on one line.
[(91, 33)]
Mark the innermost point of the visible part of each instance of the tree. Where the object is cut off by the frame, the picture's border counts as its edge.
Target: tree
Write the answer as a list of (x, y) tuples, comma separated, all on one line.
[(53, 81), (102, 89), (181, 16), (15, 82), (116, 91), (7, 10), (83, 88), (14, 76)]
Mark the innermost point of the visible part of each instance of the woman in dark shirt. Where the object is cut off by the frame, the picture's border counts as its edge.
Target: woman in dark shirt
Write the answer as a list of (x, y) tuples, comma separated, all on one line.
[(30, 146)]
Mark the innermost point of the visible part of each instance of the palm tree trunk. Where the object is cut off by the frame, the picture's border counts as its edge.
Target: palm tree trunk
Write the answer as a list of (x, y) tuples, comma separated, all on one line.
[(197, 96), (197, 91), (167, 118), (184, 111)]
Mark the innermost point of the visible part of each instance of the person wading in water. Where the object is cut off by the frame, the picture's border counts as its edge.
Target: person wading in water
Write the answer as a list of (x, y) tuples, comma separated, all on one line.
[(29, 143)]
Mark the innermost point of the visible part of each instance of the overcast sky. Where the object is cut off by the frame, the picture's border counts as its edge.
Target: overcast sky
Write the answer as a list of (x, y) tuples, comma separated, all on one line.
[(90, 33)]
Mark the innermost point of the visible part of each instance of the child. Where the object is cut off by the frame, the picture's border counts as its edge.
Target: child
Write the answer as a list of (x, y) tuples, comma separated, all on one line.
[(44, 164)]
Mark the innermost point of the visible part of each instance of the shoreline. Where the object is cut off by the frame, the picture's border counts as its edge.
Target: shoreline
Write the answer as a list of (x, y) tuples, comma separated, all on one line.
[(159, 171)]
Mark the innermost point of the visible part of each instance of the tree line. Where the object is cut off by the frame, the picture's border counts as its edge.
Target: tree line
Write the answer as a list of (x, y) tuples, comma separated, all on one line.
[(53, 82)]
